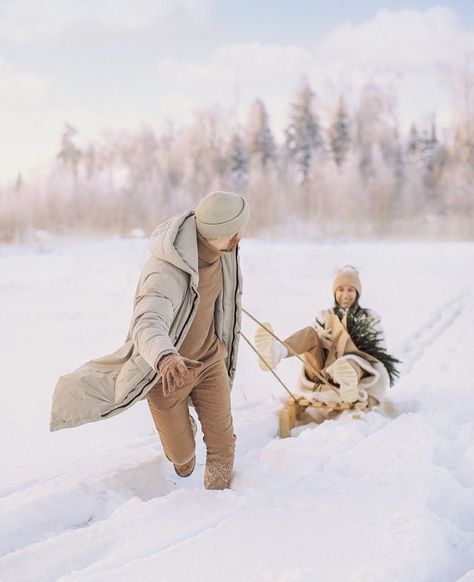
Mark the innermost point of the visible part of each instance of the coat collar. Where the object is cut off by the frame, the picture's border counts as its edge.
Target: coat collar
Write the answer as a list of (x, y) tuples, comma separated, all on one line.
[(175, 241)]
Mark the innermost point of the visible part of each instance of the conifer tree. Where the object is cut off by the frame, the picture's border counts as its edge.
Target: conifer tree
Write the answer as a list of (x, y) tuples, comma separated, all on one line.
[(413, 141), (259, 137), (429, 151), (69, 153), (339, 135), (303, 135), (239, 172)]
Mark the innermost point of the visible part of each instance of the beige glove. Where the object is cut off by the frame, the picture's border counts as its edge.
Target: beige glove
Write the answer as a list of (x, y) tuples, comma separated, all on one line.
[(325, 335), (347, 378), (272, 351), (174, 369)]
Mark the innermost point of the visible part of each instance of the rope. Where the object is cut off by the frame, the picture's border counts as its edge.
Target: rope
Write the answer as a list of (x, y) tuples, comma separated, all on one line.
[(317, 373), (274, 373)]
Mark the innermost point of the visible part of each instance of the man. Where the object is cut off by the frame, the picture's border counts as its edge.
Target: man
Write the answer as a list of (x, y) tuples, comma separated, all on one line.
[(182, 343)]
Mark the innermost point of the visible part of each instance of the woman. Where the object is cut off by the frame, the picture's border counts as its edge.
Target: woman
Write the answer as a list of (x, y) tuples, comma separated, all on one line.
[(346, 345)]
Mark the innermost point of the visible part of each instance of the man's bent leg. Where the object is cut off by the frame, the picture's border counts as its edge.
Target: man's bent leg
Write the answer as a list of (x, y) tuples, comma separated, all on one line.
[(171, 417)]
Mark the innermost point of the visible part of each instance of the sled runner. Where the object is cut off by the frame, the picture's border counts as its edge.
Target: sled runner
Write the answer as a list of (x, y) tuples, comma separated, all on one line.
[(295, 407)]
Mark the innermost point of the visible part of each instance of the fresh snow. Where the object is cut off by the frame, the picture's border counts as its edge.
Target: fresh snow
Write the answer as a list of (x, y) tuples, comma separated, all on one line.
[(386, 498)]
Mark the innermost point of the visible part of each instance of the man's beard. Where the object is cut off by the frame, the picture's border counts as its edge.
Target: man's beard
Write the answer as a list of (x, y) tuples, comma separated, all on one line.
[(234, 241)]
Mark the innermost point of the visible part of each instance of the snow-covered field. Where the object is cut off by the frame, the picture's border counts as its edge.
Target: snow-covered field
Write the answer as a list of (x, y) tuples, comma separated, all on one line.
[(385, 498)]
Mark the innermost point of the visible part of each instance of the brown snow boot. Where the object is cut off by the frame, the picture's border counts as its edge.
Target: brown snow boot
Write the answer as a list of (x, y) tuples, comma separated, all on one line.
[(218, 472), (185, 469)]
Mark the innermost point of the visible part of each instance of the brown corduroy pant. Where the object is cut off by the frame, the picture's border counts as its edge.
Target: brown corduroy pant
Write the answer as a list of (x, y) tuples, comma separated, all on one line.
[(306, 341), (209, 391)]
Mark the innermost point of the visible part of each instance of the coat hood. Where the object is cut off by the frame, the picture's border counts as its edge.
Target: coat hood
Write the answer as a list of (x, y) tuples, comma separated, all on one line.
[(175, 241)]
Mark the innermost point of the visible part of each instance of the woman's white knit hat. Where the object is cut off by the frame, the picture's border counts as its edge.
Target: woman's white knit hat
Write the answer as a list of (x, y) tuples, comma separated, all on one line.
[(347, 275), (221, 214)]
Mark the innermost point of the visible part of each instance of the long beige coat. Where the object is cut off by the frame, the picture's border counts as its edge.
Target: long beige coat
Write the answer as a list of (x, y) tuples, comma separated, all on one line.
[(165, 304)]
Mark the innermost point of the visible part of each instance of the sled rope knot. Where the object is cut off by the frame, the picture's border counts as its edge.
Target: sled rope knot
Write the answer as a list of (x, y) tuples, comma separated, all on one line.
[(317, 373)]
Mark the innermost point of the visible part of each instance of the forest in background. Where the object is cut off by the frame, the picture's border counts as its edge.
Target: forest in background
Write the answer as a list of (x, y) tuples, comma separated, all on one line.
[(349, 175)]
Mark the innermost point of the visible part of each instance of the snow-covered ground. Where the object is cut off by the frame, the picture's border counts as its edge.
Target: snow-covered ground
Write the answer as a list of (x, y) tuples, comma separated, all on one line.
[(385, 498)]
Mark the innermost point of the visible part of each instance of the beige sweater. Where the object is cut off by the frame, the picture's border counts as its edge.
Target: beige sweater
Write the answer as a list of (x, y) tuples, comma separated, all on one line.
[(201, 342)]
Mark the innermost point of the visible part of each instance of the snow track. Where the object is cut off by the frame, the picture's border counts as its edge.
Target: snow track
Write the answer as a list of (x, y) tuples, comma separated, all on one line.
[(382, 498), (66, 503), (412, 349)]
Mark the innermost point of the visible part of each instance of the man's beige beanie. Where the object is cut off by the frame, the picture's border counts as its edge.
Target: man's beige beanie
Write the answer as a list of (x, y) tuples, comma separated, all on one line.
[(221, 214), (347, 275)]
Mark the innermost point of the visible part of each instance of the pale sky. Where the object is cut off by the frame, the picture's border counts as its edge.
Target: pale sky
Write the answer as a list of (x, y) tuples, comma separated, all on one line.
[(100, 64)]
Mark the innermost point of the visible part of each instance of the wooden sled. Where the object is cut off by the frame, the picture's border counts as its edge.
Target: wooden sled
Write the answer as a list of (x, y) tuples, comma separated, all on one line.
[(295, 407)]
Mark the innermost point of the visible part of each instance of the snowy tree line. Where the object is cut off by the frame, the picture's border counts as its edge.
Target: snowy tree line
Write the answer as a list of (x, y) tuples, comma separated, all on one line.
[(351, 175)]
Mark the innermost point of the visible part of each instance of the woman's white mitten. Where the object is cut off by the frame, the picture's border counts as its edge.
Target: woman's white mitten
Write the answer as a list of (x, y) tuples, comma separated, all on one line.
[(325, 335), (270, 349)]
